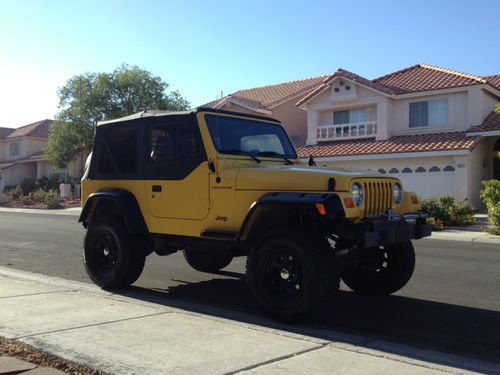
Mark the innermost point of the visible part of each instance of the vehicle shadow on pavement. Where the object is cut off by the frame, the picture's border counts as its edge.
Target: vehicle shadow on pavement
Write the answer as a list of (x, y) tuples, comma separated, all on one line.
[(428, 325)]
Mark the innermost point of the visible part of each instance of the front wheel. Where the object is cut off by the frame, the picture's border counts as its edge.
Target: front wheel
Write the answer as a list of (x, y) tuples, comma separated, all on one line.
[(292, 273), (108, 256), (390, 270)]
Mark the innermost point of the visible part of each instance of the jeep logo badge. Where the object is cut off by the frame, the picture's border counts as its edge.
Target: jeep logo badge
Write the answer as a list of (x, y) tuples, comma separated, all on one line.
[(221, 218)]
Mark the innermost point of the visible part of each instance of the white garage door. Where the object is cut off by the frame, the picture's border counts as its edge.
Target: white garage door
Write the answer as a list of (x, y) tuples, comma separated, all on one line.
[(427, 181)]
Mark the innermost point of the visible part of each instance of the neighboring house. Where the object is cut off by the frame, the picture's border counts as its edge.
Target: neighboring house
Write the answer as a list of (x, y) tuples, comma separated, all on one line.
[(277, 101), (433, 128), (21, 154)]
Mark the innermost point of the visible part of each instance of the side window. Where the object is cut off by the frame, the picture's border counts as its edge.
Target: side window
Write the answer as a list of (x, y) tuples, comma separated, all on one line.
[(175, 150), (118, 154)]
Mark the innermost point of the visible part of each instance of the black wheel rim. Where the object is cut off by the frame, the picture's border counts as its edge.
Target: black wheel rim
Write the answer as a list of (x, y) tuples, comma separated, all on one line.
[(284, 274), (379, 262), (105, 251)]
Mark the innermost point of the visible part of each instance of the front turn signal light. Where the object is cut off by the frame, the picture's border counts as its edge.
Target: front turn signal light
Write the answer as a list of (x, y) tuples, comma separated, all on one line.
[(414, 199), (321, 208), (349, 202)]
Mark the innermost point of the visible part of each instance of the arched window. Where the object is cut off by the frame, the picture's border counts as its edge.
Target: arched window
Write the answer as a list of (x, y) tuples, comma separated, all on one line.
[(394, 170), (449, 168), (407, 170), (420, 170), (434, 169), (382, 171)]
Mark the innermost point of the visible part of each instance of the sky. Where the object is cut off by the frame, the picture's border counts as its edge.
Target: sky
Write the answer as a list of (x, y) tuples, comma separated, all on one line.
[(202, 48)]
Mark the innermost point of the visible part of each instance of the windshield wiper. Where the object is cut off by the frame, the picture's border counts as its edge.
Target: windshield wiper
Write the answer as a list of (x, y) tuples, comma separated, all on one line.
[(274, 153), (239, 152)]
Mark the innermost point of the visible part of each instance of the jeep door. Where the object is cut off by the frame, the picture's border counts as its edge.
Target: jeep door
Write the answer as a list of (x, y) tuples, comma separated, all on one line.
[(177, 175)]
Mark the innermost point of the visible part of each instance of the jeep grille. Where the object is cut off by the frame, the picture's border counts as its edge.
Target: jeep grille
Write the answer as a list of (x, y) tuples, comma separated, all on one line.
[(378, 197)]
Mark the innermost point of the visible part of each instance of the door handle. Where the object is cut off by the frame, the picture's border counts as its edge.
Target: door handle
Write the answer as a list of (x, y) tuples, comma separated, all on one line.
[(156, 188)]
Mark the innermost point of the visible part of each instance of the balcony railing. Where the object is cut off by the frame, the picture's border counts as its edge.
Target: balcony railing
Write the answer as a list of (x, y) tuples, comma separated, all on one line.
[(347, 131)]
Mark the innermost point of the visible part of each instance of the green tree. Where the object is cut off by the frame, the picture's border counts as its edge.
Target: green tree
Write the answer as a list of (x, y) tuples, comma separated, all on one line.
[(91, 97)]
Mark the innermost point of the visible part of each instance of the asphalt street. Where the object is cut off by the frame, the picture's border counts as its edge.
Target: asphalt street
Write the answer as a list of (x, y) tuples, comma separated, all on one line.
[(452, 303)]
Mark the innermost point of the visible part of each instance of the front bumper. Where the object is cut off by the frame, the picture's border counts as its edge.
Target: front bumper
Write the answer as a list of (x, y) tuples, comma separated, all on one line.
[(389, 229)]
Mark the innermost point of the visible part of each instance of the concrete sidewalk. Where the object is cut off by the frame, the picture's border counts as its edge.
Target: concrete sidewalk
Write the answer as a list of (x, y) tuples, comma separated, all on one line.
[(123, 335)]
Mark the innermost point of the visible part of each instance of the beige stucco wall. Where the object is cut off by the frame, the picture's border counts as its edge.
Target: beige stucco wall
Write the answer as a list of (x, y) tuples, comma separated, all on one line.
[(33, 145), (13, 176), (293, 119)]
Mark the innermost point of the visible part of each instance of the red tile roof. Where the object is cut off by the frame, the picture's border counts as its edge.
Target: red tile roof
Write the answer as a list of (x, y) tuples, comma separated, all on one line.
[(491, 123), (6, 165), (4, 132), (39, 129), (267, 97), (394, 145), (494, 81), (424, 77), (416, 78), (351, 76)]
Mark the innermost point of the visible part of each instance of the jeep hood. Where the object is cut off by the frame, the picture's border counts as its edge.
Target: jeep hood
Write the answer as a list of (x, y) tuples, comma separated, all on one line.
[(296, 178)]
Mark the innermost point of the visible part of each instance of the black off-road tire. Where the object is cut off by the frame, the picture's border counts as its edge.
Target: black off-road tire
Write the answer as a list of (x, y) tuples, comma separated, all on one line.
[(109, 257), (391, 274), (292, 273), (206, 261)]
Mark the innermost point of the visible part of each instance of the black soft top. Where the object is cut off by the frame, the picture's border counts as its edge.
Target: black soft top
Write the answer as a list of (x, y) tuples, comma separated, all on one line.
[(160, 113)]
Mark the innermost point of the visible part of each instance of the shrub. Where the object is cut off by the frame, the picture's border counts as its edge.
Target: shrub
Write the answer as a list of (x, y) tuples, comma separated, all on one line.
[(28, 185), (491, 198), (50, 198), (447, 211), (8, 189), (47, 184), (17, 192)]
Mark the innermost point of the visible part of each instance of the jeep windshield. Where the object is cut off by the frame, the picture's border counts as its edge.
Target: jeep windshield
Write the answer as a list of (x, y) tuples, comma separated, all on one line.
[(249, 137)]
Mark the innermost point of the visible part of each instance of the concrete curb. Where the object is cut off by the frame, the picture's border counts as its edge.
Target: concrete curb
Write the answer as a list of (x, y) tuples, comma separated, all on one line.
[(464, 236), (65, 314), (74, 211)]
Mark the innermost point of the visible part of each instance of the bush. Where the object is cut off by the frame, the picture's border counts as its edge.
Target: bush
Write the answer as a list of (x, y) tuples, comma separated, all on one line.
[(447, 211), (50, 198), (491, 198), (28, 185), (17, 192)]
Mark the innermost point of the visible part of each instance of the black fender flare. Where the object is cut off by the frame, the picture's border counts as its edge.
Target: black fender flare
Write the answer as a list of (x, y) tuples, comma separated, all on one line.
[(123, 199), (331, 202)]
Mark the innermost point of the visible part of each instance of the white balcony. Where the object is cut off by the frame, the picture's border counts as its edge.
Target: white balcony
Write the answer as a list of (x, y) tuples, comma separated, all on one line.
[(346, 131)]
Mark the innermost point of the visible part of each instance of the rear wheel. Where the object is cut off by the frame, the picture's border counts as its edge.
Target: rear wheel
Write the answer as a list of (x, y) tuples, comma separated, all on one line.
[(391, 269), (292, 273), (108, 256), (206, 261)]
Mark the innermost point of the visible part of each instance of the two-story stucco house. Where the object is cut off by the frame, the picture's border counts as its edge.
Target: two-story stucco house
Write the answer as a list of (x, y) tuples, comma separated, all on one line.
[(21, 154), (277, 101), (434, 128)]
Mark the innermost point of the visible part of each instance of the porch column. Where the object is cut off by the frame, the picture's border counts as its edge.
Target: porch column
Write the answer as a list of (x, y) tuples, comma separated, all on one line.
[(39, 170), (382, 118), (462, 177), (312, 124)]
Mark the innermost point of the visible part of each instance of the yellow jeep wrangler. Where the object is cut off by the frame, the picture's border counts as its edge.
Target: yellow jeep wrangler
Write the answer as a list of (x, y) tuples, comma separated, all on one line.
[(218, 184)]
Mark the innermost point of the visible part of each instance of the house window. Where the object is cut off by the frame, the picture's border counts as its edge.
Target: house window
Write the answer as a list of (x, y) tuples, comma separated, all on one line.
[(407, 170), (394, 171), (429, 113), (434, 169), (14, 149), (353, 116)]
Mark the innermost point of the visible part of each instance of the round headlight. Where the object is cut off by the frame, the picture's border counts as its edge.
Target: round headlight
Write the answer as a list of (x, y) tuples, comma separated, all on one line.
[(398, 193), (357, 193)]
